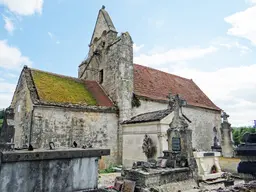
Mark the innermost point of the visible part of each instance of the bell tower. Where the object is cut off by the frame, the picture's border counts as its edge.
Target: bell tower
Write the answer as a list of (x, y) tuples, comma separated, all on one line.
[(110, 63)]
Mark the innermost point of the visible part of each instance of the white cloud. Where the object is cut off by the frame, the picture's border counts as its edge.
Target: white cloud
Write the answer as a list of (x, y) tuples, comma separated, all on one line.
[(6, 93), (173, 55), (231, 44), (11, 57), (223, 86), (251, 1), (7, 87), (8, 24), (5, 99), (157, 23), (137, 48), (243, 24), (53, 37), (23, 7), (50, 35)]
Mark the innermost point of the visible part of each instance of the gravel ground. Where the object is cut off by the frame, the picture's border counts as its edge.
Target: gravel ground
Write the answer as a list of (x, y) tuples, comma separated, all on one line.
[(107, 180)]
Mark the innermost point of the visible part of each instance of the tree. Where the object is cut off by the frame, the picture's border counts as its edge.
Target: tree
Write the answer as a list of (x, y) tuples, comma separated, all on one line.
[(238, 133), (2, 114)]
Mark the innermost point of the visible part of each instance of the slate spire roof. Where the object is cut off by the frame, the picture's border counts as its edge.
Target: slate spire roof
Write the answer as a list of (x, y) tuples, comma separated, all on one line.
[(156, 85)]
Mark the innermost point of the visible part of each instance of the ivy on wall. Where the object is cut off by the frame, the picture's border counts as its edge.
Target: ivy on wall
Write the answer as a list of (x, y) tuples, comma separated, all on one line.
[(135, 101)]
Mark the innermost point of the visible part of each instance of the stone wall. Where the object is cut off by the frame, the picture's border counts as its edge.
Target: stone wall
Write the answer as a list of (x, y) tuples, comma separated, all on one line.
[(64, 126), (203, 121), (114, 63), (50, 170), (22, 106), (133, 136)]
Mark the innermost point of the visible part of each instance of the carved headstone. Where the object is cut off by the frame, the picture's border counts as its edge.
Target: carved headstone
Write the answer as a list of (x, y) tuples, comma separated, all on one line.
[(176, 144), (7, 130), (179, 135)]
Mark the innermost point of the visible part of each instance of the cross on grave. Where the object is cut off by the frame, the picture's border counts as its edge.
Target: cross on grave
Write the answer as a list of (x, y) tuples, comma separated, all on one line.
[(175, 102), (224, 116)]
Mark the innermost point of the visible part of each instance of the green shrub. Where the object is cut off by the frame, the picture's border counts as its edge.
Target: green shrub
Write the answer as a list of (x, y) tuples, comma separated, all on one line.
[(238, 133), (1, 123), (107, 170), (2, 114)]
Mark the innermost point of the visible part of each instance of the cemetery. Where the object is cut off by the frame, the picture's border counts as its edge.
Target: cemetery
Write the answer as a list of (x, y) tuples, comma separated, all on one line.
[(119, 127), (178, 167)]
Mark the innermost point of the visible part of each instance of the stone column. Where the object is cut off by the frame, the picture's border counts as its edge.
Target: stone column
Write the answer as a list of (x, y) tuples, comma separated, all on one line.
[(226, 137)]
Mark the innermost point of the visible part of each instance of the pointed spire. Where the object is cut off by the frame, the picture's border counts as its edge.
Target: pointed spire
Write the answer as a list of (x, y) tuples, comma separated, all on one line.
[(103, 23)]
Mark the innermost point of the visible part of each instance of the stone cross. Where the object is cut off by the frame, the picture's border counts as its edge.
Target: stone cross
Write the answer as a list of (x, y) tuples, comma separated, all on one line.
[(225, 117), (175, 103)]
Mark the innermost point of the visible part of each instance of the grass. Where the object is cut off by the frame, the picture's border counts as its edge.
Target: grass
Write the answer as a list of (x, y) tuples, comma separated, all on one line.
[(58, 89), (108, 170), (1, 123)]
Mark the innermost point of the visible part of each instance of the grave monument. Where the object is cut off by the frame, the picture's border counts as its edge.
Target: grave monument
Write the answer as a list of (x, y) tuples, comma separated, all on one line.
[(175, 165), (226, 137), (7, 131), (247, 153)]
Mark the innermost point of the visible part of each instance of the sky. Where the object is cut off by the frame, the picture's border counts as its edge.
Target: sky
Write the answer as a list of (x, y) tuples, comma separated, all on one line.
[(212, 42)]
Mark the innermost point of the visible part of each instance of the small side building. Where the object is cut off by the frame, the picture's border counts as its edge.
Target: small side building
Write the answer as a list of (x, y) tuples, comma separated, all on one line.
[(60, 109)]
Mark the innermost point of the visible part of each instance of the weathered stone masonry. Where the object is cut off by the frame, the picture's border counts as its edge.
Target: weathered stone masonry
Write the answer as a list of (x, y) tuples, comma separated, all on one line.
[(111, 58), (38, 122)]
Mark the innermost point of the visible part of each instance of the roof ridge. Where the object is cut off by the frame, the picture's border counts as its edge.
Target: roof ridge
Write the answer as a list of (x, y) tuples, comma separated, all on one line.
[(56, 74), (163, 72), (152, 112), (204, 94)]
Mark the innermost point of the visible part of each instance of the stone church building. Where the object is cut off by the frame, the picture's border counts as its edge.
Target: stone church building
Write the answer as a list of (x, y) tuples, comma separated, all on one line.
[(109, 90)]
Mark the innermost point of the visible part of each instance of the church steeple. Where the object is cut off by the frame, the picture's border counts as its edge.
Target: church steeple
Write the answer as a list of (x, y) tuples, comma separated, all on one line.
[(103, 24)]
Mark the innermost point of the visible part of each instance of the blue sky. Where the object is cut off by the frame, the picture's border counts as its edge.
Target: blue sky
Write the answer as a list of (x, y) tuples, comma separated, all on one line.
[(212, 42)]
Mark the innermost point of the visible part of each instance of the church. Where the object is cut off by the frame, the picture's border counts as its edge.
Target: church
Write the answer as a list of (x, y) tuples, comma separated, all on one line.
[(110, 92)]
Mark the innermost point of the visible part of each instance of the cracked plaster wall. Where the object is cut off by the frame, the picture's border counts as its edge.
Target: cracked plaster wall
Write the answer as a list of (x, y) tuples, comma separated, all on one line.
[(203, 121), (22, 105), (63, 127)]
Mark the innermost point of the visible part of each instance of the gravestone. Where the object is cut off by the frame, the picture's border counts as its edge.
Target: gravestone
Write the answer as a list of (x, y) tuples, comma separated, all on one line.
[(226, 137), (179, 136), (7, 131), (216, 144), (247, 153), (208, 165)]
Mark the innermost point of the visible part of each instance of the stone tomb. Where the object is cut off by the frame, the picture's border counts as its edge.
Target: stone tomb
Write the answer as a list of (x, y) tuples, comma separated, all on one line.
[(247, 153), (156, 177), (208, 165), (174, 166), (57, 170)]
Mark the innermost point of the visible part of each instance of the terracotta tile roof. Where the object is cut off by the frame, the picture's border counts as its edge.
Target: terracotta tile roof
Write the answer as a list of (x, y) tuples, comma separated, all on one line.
[(156, 85), (98, 93), (55, 88)]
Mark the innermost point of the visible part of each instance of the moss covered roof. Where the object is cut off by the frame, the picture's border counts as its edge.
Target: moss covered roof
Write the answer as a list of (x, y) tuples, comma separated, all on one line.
[(55, 88)]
